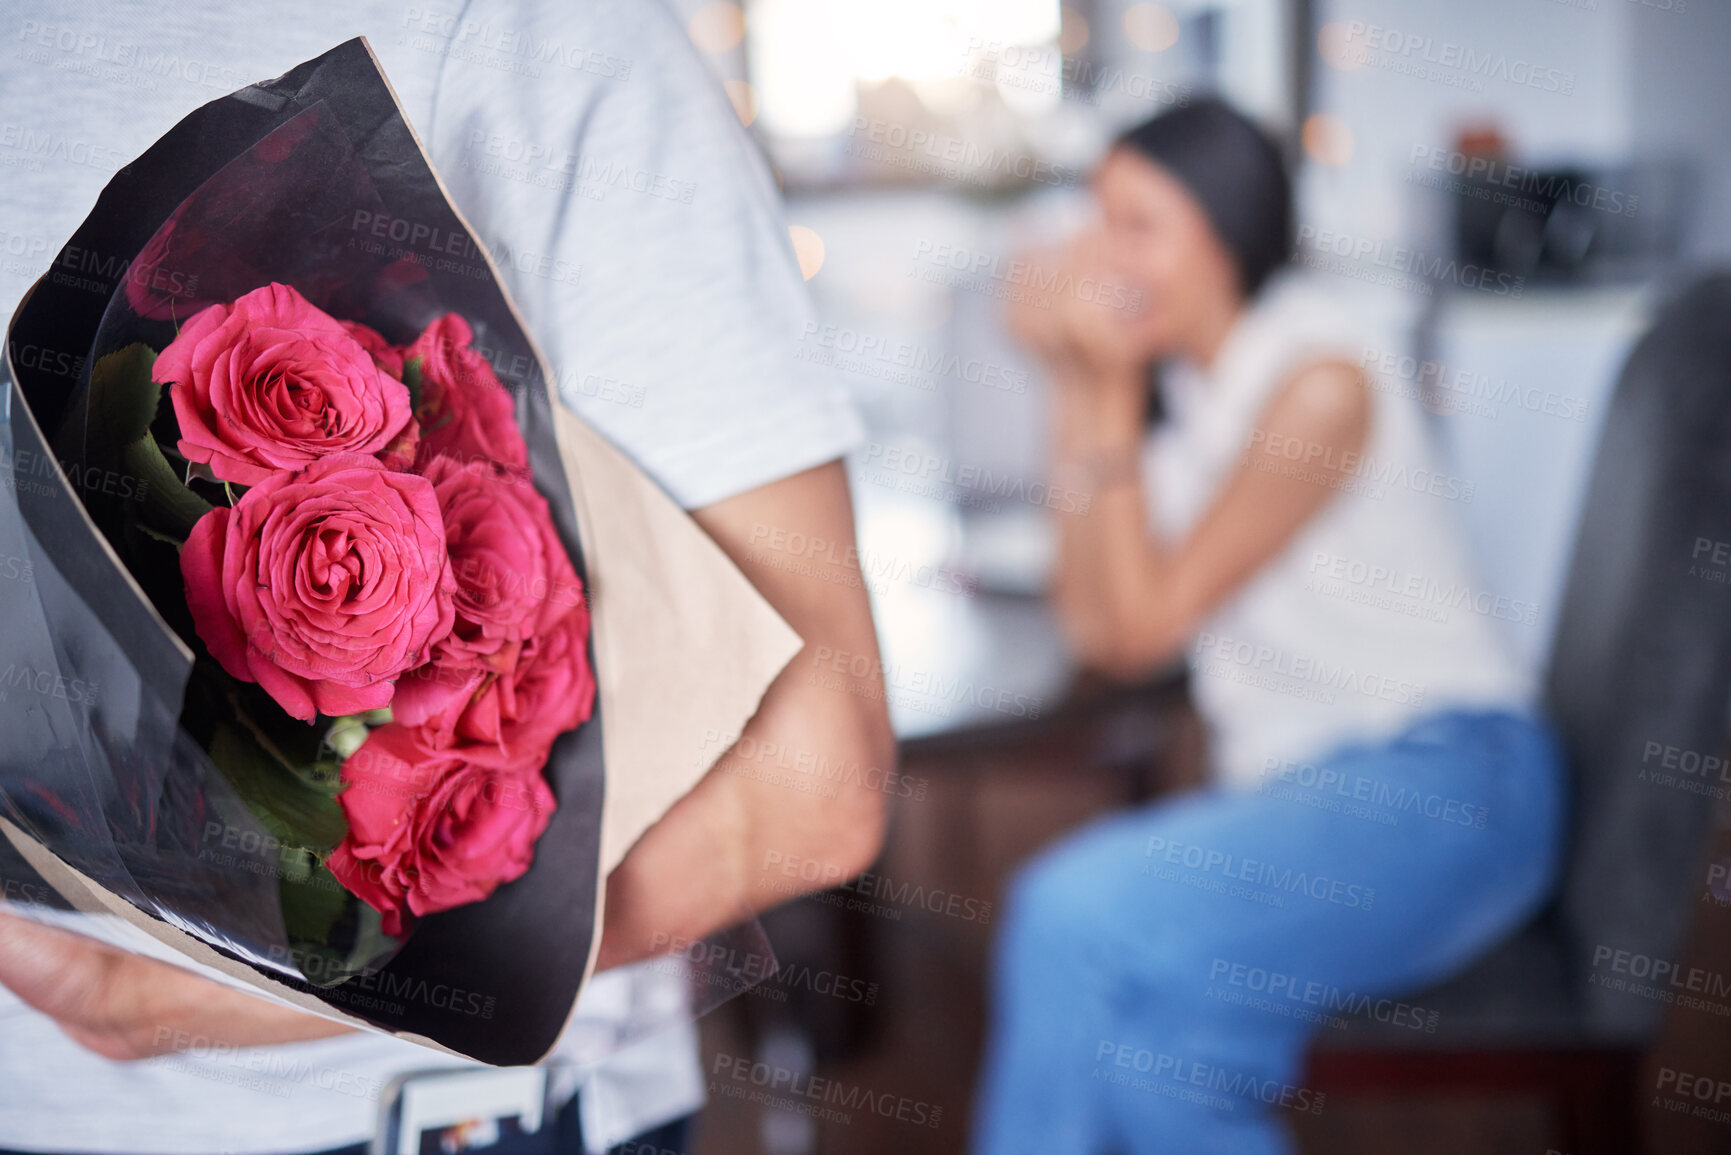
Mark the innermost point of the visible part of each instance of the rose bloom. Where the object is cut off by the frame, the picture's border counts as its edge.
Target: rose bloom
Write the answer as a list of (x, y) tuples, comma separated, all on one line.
[(514, 577), (273, 383), (430, 829), (154, 291), (465, 412), (384, 354), (323, 586), (519, 699)]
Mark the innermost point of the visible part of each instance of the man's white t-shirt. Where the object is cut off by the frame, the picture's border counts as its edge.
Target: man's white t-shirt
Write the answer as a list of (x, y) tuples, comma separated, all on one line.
[(640, 233)]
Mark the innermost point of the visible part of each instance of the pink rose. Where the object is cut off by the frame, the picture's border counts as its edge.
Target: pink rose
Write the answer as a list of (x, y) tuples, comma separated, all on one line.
[(464, 411), (272, 383), (323, 586), (550, 689), (517, 700), (400, 453), (513, 575), (384, 354), (155, 291), (430, 829)]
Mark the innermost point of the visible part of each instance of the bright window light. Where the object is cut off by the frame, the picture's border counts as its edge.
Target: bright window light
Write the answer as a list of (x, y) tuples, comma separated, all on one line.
[(809, 56)]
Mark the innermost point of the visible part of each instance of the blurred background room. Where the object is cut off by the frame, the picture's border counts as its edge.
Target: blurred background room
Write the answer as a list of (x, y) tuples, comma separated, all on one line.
[(1506, 196)]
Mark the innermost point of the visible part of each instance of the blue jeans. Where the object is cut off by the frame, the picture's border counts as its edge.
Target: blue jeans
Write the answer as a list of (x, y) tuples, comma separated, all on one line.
[(1160, 972)]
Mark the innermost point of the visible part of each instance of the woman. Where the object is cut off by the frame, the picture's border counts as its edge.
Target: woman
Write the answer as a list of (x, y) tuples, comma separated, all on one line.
[(1385, 803)]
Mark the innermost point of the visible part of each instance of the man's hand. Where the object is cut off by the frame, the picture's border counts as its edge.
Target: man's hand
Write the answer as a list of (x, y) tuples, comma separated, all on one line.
[(710, 861), (123, 1006)]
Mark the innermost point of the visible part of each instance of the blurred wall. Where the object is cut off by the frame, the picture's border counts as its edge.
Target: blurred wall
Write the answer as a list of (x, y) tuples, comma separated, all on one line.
[(1680, 98)]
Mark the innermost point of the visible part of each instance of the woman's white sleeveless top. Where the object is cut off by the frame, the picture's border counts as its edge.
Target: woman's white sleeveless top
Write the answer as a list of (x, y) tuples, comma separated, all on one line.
[(1371, 616)]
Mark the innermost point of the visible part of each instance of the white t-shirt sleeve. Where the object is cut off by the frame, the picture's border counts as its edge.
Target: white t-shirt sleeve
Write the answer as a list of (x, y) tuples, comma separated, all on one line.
[(641, 233)]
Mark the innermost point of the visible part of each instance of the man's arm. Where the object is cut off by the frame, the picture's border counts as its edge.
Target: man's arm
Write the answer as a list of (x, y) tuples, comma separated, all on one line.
[(703, 866), (700, 868)]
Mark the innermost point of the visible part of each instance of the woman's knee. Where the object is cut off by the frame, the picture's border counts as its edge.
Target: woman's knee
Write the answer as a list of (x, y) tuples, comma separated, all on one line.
[(1077, 891)]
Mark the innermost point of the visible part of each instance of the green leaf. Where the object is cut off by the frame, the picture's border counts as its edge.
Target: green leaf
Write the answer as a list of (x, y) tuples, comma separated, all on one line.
[(351, 944), (298, 811), (122, 405), (334, 933), (170, 507), (123, 398), (412, 378)]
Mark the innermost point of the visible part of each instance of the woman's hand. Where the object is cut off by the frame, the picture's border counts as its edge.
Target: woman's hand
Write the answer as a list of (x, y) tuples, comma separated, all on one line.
[(1082, 327), (123, 1006)]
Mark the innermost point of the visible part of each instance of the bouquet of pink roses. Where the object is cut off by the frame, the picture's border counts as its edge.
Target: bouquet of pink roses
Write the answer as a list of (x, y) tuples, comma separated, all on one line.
[(377, 561), (348, 662)]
